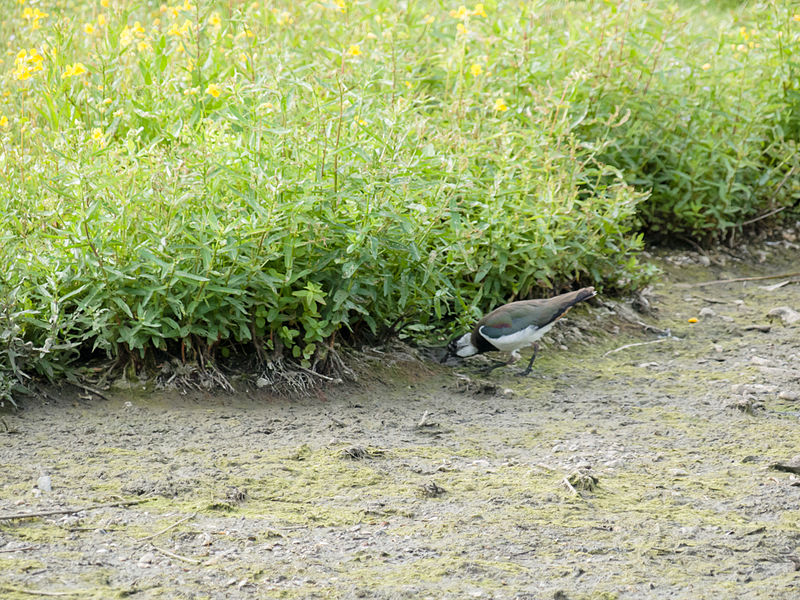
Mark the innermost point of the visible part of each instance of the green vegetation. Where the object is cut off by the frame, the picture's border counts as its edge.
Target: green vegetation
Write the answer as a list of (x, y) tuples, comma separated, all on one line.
[(190, 178)]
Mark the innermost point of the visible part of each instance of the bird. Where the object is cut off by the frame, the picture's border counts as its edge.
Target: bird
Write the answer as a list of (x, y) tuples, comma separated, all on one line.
[(514, 326)]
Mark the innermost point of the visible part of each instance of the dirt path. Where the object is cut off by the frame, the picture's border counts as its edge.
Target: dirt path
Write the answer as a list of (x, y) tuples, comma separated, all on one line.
[(421, 483)]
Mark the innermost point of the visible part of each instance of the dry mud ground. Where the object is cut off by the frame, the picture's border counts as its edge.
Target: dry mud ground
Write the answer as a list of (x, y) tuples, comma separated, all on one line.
[(434, 482)]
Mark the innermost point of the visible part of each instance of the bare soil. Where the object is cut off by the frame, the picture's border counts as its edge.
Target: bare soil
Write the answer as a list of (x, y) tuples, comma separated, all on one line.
[(657, 470)]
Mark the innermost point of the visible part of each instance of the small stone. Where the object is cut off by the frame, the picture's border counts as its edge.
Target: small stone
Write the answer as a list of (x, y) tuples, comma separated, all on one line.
[(753, 388), (787, 315), (582, 480), (703, 261), (757, 360), (44, 484), (746, 405), (788, 395), (146, 559), (432, 489), (262, 382), (706, 312)]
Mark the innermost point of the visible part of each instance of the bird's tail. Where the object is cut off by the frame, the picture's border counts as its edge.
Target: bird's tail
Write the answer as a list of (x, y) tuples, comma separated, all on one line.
[(584, 294)]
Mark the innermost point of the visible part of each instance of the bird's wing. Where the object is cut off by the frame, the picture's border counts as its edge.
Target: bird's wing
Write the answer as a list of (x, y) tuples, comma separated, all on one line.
[(534, 312), (495, 325)]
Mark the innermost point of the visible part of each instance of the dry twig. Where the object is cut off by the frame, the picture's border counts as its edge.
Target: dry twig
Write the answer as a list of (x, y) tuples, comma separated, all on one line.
[(166, 552), (658, 341), (17, 549), (70, 511), (741, 279), (569, 486), (166, 529), (20, 590)]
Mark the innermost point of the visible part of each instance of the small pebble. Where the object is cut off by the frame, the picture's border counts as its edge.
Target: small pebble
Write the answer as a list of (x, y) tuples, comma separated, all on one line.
[(787, 315), (788, 395), (753, 388), (757, 360), (147, 558), (706, 312), (44, 484)]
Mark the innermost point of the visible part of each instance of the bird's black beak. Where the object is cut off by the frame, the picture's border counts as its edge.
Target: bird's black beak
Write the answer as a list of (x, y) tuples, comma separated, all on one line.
[(451, 350)]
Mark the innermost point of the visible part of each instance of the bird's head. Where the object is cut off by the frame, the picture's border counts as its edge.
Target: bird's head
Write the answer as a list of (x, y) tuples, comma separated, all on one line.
[(460, 346)]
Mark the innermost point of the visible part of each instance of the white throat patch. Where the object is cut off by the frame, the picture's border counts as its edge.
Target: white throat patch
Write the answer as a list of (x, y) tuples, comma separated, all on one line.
[(464, 346)]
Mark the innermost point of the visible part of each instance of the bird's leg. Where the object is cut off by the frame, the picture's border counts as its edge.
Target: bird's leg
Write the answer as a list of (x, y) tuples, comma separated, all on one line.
[(527, 370)]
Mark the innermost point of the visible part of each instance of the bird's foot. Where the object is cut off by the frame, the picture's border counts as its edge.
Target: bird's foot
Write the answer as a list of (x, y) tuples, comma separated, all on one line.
[(524, 373)]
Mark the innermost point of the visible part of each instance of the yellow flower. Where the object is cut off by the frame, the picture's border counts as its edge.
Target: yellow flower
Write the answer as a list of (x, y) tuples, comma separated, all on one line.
[(354, 50), (187, 5), (26, 64), (97, 134), (101, 19), (104, 3), (74, 70), (213, 90), (214, 20), (692, 320), (341, 4), (285, 18), (190, 91), (706, 66), (461, 13), (3, 121), (428, 19), (796, 17), (479, 11), (476, 69), (143, 45), (118, 113), (88, 29), (33, 15), (500, 105), (461, 29), (138, 30), (125, 37)]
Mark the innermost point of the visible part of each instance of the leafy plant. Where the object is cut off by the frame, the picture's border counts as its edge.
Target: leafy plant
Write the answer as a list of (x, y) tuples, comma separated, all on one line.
[(189, 179)]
